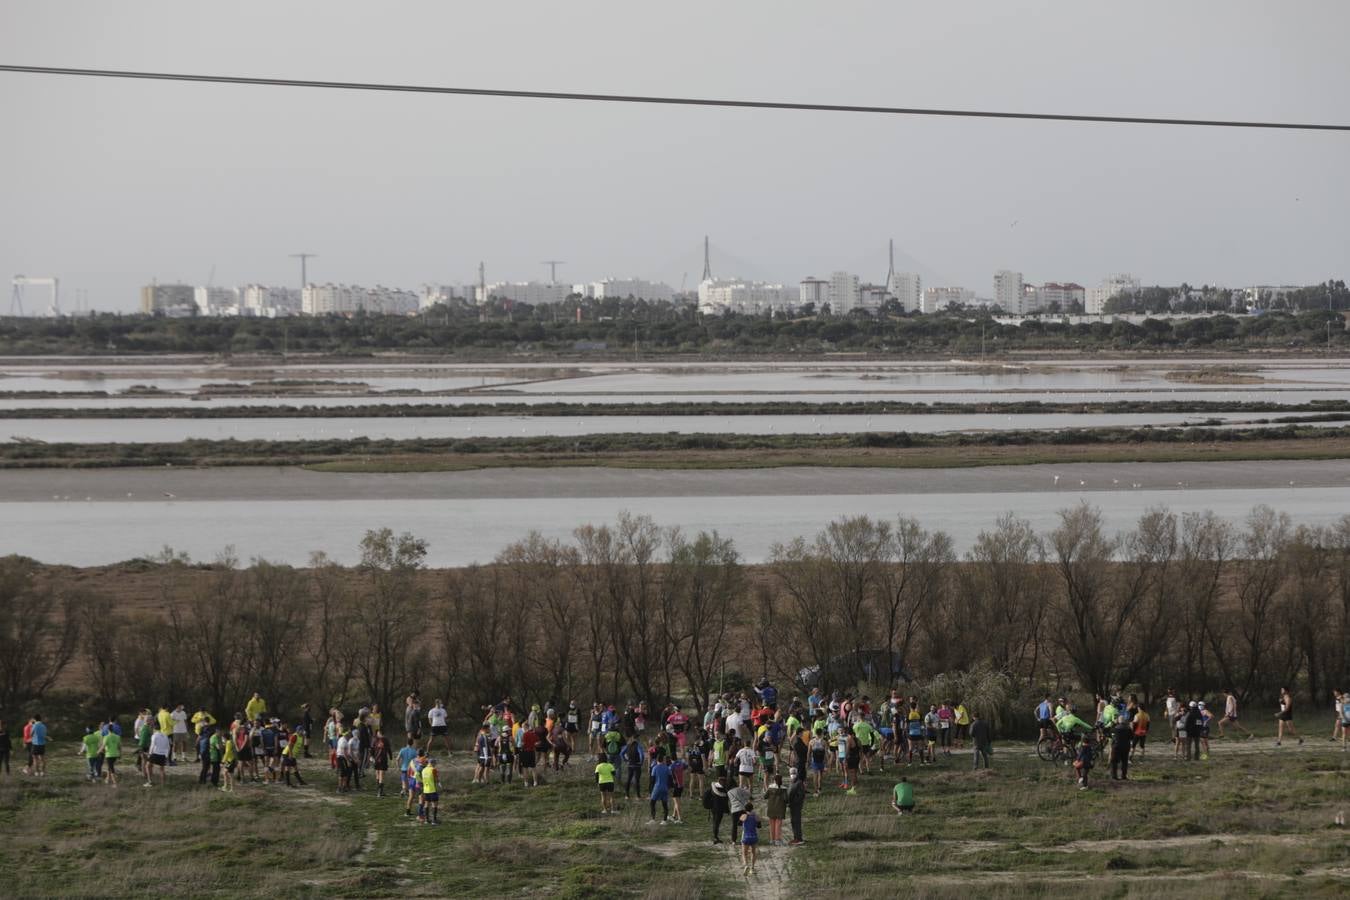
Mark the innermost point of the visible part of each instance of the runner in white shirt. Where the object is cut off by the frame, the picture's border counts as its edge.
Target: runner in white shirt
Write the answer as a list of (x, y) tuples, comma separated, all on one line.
[(160, 748), (180, 730), (745, 767), (437, 718)]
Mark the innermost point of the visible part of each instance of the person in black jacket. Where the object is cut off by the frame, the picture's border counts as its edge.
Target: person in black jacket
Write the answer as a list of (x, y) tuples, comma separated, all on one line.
[(1122, 735), (796, 799), (1194, 721), (720, 807), (981, 739)]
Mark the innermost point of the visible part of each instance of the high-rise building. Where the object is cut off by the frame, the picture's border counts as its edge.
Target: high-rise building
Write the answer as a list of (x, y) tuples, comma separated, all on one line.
[(345, 299), (637, 288), (269, 300), (813, 290), (937, 299), (844, 295), (216, 301), (718, 296), (534, 293), (1063, 295), (1112, 285), (1009, 293), (907, 288), (168, 299)]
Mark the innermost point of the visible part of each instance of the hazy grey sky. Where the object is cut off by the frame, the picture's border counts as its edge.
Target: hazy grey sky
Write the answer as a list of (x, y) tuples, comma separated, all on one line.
[(108, 184)]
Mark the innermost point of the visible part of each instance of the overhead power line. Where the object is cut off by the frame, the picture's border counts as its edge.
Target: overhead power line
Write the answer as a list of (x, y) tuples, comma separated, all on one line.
[(671, 101)]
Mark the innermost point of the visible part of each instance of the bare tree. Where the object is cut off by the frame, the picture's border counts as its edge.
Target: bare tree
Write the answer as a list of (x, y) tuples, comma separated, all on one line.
[(541, 570), (39, 632), (1203, 555), (393, 614), (204, 617), (831, 585), (1082, 555), (330, 648), (704, 582), (1242, 650), (912, 587), (1004, 596)]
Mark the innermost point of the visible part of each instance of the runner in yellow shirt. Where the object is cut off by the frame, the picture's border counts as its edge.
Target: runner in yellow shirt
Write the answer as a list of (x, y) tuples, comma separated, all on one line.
[(431, 797), (962, 724), (604, 777)]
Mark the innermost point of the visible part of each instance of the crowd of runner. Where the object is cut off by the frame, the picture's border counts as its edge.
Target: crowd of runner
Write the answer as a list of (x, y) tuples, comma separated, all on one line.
[(746, 745)]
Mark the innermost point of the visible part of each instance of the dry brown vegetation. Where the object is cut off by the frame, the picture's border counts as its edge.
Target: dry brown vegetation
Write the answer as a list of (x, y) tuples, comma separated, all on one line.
[(634, 610)]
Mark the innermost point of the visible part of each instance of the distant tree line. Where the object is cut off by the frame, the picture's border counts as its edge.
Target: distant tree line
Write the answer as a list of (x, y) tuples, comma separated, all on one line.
[(653, 329), (632, 610)]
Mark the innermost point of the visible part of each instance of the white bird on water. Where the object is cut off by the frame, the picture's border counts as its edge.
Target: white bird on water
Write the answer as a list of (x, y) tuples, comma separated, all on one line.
[(1057, 481), (167, 494), (1082, 483)]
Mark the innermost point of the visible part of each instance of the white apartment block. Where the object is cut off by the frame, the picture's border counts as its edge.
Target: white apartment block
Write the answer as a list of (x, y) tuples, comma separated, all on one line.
[(431, 294), (936, 299), (1095, 300), (844, 294), (268, 300), (907, 288), (1063, 293), (534, 293), (872, 297), (345, 299), (719, 296), (623, 288), (169, 299), (216, 301), (1009, 291), (813, 290)]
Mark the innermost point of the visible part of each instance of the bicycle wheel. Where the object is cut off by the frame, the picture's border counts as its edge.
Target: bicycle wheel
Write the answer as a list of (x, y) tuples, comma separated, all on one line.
[(1045, 749)]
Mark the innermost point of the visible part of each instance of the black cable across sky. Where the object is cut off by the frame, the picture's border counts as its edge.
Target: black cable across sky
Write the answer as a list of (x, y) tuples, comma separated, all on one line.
[(670, 101)]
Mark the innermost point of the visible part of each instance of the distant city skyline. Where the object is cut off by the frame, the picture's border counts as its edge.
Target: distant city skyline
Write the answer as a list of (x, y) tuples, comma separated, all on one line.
[(108, 185)]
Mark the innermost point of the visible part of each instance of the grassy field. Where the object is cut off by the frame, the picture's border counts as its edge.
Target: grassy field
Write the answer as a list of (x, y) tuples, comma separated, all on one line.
[(1253, 821)]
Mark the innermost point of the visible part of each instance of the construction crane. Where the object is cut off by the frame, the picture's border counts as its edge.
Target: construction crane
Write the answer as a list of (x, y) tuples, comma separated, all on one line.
[(22, 281), (553, 269)]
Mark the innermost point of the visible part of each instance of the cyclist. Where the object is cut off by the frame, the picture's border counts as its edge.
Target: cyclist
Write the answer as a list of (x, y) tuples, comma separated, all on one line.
[(1070, 726)]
